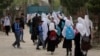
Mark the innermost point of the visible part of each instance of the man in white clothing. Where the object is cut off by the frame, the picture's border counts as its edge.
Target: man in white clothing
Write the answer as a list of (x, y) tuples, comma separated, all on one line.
[(7, 24)]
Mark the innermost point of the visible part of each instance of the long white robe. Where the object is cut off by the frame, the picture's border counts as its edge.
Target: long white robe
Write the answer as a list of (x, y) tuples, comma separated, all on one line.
[(80, 26), (88, 24), (56, 19), (71, 21), (44, 26)]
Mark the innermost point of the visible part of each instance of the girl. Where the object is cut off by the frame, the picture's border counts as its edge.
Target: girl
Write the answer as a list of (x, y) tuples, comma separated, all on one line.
[(83, 30), (68, 42), (52, 37)]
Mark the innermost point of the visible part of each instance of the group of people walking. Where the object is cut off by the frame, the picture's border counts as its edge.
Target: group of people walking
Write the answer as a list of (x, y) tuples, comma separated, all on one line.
[(50, 29), (16, 26), (18, 30)]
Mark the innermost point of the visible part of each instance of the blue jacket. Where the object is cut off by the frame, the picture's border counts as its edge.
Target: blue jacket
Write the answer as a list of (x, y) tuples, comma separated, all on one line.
[(40, 30), (17, 27)]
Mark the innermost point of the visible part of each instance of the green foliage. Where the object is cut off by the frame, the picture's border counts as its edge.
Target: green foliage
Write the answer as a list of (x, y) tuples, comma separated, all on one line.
[(73, 5), (4, 4), (94, 6), (56, 4)]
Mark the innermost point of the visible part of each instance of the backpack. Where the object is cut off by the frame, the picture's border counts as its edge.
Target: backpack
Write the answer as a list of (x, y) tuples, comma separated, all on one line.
[(85, 43), (13, 28), (69, 33), (52, 35), (85, 38), (58, 30), (62, 24)]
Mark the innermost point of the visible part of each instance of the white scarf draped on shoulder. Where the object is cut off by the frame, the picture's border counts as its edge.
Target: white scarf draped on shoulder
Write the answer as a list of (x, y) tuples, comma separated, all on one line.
[(44, 26), (80, 26)]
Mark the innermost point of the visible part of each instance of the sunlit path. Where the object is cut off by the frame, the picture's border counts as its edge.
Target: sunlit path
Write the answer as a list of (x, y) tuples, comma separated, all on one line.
[(28, 49)]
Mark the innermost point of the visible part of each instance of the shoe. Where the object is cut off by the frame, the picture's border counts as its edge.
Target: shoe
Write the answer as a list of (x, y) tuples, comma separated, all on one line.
[(19, 47), (13, 46), (57, 46), (67, 54), (35, 43), (38, 49), (22, 41), (70, 53), (52, 53), (44, 48)]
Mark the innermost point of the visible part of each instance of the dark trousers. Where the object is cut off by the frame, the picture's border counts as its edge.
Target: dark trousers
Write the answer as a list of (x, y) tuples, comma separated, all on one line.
[(40, 40), (17, 41), (21, 35), (45, 43), (68, 50), (7, 29)]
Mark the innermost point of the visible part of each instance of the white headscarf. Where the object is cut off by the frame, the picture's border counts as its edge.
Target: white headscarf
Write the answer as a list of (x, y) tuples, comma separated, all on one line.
[(67, 23), (80, 26), (33, 15), (88, 24), (44, 26), (52, 27), (48, 20), (44, 17), (63, 16), (71, 20), (56, 19), (28, 17)]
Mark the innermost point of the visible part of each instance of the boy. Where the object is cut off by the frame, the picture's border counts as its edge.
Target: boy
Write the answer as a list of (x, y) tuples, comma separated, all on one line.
[(17, 29), (40, 35)]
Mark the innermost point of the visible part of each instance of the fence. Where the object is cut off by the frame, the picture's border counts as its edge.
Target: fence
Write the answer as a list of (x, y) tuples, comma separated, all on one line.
[(38, 9)]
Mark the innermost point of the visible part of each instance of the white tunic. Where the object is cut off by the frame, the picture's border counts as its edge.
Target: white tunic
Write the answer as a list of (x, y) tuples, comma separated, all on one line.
[(88, 24), (6, 21), (80, 26), (44, 26)]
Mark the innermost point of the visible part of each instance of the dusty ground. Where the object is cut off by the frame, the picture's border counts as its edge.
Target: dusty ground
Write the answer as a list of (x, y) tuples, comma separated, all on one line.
[(28, 49)]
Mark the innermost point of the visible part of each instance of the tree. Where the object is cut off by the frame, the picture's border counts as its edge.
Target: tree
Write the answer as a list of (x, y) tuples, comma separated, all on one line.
[(94, 7), (73, 6), (4, 4)]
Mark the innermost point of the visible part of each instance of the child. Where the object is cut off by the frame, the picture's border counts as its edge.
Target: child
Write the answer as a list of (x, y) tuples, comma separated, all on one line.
[(52, 38), (40, 35), (17, 30), (68, 34)]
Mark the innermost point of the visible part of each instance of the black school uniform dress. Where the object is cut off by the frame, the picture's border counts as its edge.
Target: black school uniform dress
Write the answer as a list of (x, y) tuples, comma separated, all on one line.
[(77, 45), (51, 44), (35, 22), (67, 43)]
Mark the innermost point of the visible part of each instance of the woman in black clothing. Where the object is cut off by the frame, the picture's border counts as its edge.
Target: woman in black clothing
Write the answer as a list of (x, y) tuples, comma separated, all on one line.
[(51, 43), (35, 22), (52, 37), (77, 45)]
